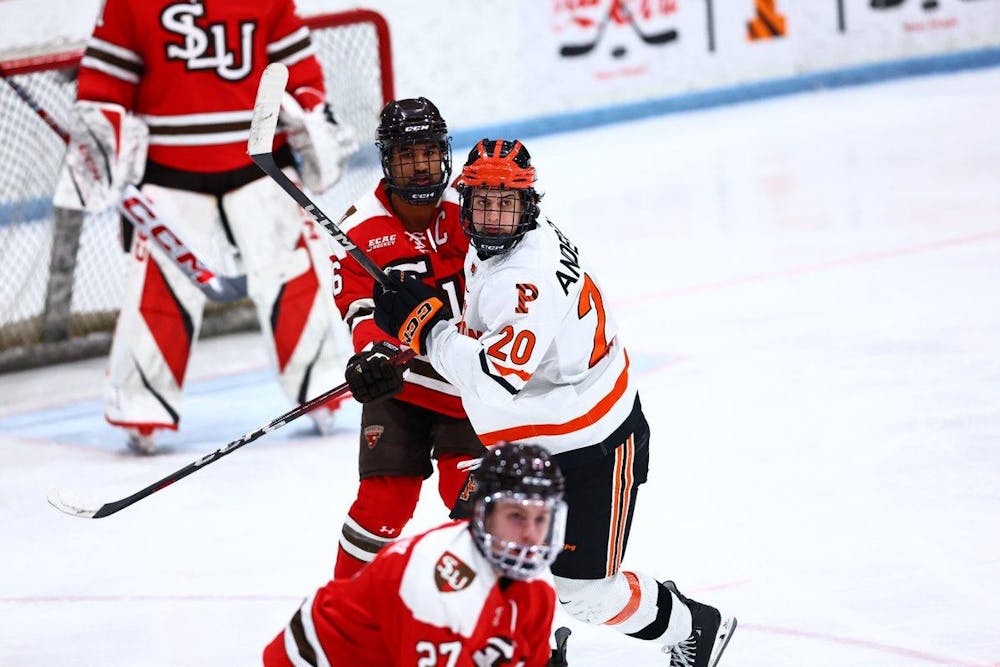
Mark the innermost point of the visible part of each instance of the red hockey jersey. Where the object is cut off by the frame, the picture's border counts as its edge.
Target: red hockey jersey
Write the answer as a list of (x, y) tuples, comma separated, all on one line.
[(437, 254), (432, 599), (190, 71)]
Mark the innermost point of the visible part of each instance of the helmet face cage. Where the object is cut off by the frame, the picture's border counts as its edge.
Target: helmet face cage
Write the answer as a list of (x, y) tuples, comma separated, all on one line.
[(494, 167), (490, 243), (513, 559), (407, 128)]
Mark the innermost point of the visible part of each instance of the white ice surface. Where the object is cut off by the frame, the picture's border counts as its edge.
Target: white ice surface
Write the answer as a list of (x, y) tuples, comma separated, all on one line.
[(810, 291)]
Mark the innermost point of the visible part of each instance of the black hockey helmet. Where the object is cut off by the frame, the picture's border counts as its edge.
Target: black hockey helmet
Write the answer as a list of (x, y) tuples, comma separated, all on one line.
[(402, 124), (498, 164), (527, 475)]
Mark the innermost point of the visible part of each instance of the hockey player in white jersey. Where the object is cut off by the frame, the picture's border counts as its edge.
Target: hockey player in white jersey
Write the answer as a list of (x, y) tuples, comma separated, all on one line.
[(538, 357)]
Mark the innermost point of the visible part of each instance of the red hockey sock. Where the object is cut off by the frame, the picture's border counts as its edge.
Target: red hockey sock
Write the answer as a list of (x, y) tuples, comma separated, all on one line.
[(383, 507), (450, 478)]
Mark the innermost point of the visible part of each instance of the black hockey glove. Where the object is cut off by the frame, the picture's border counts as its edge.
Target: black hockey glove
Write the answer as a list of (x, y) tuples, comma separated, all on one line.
[(371, 374), (409, 311)]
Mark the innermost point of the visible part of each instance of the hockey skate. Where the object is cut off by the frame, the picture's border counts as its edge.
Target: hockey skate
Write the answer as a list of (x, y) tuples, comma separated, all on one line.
[(710, 633), (140, 440)]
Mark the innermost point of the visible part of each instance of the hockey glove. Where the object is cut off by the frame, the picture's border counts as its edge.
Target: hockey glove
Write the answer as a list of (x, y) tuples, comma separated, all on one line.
[(409, 311), (323, 145), (107, 150), (371, 374)]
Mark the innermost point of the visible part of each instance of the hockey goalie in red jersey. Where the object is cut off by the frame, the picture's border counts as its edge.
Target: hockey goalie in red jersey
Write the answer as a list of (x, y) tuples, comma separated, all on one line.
[(538, 356), (472, 593), (182, 77), (409, 222)]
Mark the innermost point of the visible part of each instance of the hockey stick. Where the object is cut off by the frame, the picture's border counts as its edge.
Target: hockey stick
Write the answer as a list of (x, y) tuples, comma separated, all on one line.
[(572, 50), (138, 210), (668, 35), (70, 504), (28, 99), (47, 118), (262, 128)]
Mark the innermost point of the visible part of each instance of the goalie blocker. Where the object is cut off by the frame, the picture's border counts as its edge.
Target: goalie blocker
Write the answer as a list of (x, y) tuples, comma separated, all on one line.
[(106, 151)]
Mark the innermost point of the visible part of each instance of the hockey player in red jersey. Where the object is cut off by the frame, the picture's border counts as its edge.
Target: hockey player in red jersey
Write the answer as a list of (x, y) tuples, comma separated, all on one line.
[(470, 593), (410, 223), (538, 357), (185, 74)]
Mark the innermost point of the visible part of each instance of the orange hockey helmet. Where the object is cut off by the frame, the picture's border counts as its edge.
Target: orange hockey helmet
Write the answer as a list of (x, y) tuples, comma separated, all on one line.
[(498, 164)]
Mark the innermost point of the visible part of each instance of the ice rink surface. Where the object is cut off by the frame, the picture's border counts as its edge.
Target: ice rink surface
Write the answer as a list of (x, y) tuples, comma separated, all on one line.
[(809, 288)]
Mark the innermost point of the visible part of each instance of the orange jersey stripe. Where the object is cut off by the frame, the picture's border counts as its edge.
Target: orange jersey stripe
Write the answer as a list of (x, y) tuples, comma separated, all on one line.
[(504, 371), (616, 492), (626, 500), (590, 417)]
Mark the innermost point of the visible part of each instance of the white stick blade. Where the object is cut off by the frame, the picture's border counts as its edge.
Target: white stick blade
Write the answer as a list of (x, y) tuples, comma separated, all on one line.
[(69, 504), (266, 108)]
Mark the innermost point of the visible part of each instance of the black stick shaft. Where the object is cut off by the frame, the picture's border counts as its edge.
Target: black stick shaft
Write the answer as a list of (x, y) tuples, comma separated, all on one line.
[(108, 509), (266, 162)]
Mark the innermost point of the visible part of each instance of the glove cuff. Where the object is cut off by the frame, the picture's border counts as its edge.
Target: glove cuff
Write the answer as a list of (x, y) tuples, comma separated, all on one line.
[(419, 322)]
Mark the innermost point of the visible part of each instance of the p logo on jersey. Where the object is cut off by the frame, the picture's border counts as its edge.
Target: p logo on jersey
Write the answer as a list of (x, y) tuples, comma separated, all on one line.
[(451, 574), (526, 293)]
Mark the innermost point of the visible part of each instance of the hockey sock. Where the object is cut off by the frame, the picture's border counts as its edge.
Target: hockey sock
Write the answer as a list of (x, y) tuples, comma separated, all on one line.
[(450, 478), (382, 508)]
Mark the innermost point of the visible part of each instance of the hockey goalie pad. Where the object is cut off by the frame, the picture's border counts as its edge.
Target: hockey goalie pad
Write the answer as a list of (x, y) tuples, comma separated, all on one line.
[(323, 145), (107, 150)]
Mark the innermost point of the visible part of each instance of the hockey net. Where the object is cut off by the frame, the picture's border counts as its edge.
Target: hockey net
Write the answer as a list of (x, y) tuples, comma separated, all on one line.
[(61, 272)]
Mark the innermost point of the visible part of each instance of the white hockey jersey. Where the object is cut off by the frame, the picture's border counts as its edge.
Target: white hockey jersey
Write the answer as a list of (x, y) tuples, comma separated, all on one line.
[(537, 357)]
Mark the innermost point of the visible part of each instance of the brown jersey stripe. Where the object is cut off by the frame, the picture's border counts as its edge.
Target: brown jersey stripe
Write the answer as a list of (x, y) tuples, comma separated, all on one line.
[(363, 542), (212, 128), (290, 50), (121, 63), (360, 312), (421, 367), (306, 650)]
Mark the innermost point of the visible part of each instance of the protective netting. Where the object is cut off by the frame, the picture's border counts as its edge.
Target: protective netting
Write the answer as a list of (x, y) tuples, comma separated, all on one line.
[(61, 275)]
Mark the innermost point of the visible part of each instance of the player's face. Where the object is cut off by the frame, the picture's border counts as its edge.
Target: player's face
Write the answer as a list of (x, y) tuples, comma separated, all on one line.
[(495, 212), (417, 164), (525, 523)]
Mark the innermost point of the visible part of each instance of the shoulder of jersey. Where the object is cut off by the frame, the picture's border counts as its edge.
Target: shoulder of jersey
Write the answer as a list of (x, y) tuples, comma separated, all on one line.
[(450, 195), (446, 582), (368, 212), (534, 257)]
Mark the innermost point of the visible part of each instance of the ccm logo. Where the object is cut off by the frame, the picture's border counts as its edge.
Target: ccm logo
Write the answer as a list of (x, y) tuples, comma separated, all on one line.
[(416, 128), (411, 329)]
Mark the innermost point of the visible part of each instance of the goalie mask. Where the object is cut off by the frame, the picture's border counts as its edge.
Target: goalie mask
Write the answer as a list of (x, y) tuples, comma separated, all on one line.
[(499, 204), (519, 516), (415, 150)]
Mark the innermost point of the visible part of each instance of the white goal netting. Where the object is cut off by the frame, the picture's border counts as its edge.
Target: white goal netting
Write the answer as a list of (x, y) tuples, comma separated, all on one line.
[(60, 272)]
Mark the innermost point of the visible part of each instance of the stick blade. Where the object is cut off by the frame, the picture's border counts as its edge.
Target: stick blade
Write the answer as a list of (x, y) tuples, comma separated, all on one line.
[(265, 110), (68, 503)]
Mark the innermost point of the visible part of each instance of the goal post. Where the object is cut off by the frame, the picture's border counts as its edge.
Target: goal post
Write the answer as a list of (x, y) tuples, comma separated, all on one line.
[(61, 272)]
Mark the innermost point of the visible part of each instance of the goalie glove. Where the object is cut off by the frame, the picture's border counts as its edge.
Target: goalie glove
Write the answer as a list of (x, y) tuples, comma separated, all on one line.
[(322, 144), (106, 151)]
